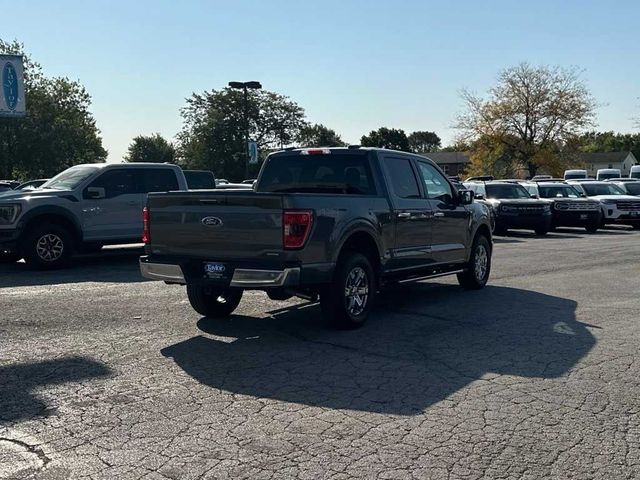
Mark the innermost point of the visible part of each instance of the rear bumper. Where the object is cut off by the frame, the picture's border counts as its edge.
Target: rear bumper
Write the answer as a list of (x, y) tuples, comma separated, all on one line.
[(248, 278)]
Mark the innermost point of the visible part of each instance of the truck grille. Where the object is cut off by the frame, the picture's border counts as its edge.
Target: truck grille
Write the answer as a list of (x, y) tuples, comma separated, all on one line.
[(628, 205), (576, 206)]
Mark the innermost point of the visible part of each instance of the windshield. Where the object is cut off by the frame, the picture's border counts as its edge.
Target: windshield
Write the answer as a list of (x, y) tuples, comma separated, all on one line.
[(635, 174), (573, 176), (632, 188), (558, 191), (327, 173), (70, 178), (604, 176), (593, 189), (506, 190)]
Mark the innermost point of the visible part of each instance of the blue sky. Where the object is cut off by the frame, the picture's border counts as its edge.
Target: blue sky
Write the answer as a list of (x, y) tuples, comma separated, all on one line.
[(353, 65)]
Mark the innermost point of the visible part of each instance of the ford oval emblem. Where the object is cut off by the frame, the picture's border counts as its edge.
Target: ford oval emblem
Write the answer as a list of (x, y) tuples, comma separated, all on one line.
[(212, 222), (10, 86)]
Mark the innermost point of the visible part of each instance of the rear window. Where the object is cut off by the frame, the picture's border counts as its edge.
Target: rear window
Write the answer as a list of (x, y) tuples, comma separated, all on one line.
[(158, 180), (199, 180), (328, 173)]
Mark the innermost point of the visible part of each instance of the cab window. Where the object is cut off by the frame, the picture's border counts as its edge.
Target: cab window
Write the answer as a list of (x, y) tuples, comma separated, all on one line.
[(115, 183), (436, 186)]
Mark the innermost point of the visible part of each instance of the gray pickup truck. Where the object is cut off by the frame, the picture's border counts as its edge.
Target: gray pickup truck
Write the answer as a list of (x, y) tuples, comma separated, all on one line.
[(333, 223), (81, 209)]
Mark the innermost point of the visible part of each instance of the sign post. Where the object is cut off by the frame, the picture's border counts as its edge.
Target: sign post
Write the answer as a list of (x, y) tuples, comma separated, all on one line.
[(252, 148), (12, 101)]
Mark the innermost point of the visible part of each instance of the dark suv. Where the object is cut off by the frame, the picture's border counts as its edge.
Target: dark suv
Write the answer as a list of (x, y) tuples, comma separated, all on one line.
[(513, 206)]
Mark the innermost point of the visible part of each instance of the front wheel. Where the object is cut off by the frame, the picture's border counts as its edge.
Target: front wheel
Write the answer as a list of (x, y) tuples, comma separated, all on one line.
[(478, 268), (214, 302), (348, 300), (48, 246)]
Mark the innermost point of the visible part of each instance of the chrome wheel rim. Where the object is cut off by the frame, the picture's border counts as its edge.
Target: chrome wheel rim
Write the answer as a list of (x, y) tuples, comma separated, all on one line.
[(49, 247), (356, 291), (481, 262)]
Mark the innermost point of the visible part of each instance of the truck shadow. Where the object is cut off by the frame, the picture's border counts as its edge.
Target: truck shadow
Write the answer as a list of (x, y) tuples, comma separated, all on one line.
[(110, 265), (425, 343), (17, 383)]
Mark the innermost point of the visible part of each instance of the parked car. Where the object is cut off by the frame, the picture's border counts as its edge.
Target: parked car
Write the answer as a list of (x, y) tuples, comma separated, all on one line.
[(332, 222), (630, 186), (200, 179), (32, 184), (513, 206), (617, 206), (82, 208), (569, 207), (635, 172), (575, 174), (606, 173), (10, 183)]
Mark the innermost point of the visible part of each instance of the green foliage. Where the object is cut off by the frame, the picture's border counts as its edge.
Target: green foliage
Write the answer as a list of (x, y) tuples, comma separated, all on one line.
[(391, 138), (424, 142), (318, 135), (213, 132), (58, 131), (152, 148), (610, 142)]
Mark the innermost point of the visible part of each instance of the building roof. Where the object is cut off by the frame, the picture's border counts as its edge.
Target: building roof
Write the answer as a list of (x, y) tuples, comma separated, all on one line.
[(443, 158), (604, 157)]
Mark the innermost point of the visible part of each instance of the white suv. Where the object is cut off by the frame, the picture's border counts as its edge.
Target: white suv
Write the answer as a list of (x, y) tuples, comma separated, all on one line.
[(617, 206)]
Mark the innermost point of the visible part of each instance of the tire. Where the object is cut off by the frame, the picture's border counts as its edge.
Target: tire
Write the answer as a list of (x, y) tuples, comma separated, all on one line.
[(478, 268), (592, 228), (541, 230), (48, 246), (90, 247), (214, 302), (9, 258), (346, 311)]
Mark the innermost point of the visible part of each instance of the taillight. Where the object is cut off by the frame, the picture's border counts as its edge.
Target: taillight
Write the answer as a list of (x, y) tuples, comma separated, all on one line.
[(296, 225), (146, 235), (316, 151)]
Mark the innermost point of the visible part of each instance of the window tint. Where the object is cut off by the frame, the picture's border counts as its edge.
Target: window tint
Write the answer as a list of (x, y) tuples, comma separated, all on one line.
[(115, 182), (506, 190), (435, 184), (329, 173), (560, 191), (199, 179), (403, 180), (156, 180)]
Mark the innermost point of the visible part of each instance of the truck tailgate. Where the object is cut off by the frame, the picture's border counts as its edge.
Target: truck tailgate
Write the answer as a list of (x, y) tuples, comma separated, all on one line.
[(216, 225)]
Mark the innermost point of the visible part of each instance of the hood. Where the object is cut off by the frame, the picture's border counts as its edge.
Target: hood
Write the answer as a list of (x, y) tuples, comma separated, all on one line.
[(13, 195), (528, 202), (615, 197)]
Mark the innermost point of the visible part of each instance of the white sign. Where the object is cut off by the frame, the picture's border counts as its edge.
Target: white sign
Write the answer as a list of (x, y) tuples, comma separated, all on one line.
[(12, 103), (253, 151)]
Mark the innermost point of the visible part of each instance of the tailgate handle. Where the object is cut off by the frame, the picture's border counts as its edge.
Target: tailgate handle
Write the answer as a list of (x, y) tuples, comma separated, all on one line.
[(211, 200)]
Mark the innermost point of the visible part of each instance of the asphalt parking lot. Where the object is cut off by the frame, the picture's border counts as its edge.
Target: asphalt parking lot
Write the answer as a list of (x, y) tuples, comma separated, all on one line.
[(104, 375)]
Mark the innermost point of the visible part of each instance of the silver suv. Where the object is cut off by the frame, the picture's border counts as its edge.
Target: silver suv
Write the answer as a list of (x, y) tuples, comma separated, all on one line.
[(81, 209)]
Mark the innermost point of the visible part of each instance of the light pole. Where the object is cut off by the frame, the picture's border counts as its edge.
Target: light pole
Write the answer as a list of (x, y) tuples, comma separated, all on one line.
[(245, 86)]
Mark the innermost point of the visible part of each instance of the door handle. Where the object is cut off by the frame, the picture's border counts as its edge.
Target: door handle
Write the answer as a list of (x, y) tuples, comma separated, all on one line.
[(404, 215), (438, 214)]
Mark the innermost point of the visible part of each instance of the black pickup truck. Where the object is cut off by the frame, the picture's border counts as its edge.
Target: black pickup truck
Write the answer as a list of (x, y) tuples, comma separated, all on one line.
[(333, 223)]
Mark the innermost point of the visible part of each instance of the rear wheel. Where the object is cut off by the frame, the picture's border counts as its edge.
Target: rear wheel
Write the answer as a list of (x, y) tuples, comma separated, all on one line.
[(48, 246), (347, 302), (478, 268), (214, 302)]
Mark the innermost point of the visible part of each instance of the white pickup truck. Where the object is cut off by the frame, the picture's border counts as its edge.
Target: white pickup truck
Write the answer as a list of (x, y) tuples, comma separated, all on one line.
[(81, 209)]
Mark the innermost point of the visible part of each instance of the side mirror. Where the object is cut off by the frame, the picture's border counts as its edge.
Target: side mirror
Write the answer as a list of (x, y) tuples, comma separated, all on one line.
[(465, 197), (478, 196), (96, 193), (533, 195)]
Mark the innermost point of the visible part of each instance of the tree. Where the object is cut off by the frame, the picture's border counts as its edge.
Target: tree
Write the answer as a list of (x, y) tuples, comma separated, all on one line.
[(213, 135), (152, 148), (58, 130), (531, 110), (391, 138), (424, 142), (318, 135), (610, 142)]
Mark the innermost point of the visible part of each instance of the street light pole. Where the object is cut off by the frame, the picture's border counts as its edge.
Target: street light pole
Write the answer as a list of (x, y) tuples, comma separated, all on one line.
[(245, 86)]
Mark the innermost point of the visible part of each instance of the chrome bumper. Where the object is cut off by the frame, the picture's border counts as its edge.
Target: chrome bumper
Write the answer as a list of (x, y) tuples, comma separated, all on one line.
[(242, 278), (162, 271), (246, 278)]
